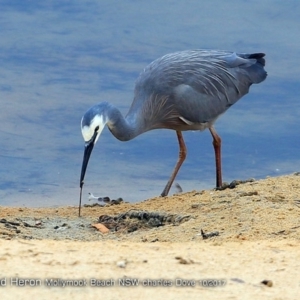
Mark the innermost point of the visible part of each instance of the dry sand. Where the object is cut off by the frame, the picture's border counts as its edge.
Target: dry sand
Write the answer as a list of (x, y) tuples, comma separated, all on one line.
[(258, 233)]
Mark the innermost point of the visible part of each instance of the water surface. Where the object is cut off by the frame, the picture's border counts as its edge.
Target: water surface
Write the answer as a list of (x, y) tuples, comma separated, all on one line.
[(59, 58)]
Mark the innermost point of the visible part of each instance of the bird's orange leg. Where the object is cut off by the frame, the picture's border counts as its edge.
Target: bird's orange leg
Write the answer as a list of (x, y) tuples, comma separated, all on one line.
[(181, 158), (217, 146)]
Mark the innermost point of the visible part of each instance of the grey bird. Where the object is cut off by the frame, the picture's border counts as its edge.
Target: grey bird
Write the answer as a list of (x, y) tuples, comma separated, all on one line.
[(185, 90)]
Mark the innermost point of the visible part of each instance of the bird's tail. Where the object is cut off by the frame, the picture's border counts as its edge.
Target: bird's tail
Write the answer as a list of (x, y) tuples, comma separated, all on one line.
[(256, 71), (259, 58)]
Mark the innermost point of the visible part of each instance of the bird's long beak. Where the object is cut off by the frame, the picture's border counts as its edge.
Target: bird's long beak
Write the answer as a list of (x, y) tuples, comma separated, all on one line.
[(88, 148)]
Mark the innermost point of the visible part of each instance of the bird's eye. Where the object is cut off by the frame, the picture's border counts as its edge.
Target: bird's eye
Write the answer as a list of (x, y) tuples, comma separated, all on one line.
[(96, 129)]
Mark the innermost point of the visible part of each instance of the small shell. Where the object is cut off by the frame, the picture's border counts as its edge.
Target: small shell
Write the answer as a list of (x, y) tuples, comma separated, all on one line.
[(122, 263)]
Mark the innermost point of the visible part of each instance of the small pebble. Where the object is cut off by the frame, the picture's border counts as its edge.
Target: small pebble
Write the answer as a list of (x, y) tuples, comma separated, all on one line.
[(122, 264), (268, 283)]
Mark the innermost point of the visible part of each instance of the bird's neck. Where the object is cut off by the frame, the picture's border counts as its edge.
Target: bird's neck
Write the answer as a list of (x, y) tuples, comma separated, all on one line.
[(124, 129)]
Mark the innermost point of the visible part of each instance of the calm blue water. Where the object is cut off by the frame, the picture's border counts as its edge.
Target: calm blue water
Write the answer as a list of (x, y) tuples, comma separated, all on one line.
[(58, 58)]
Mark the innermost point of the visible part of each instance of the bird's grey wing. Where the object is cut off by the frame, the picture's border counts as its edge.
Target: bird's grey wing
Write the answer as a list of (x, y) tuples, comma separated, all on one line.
[(216, 85), (199, 85)]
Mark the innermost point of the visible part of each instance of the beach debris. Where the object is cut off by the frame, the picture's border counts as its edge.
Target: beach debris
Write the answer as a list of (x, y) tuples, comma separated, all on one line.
[(134, 220), (37, 223), (116, 202), (197, 205), (178, 188), (104, 200), (93, 205), (18, 223), (62, 227), (10, 223), (102, 228), (208, 235), (92, 197), (233, 184), (238, 280), (267, 282), (100, 199), (285, 232), (244, 194), (122, 263), (297, 203), (154, 240), (184, 261)]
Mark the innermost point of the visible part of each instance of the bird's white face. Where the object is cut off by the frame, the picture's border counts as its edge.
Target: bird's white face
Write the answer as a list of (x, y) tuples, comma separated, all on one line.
[(97, 124)]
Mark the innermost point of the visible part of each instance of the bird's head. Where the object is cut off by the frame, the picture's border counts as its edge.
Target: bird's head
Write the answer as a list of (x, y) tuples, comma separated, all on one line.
[(92, 124)]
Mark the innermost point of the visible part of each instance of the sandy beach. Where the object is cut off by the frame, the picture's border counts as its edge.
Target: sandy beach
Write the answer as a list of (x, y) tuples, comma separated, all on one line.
[(238, 243)]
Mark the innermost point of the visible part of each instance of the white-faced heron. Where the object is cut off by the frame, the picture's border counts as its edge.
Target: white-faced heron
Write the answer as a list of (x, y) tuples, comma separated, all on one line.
[(185, 90)]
